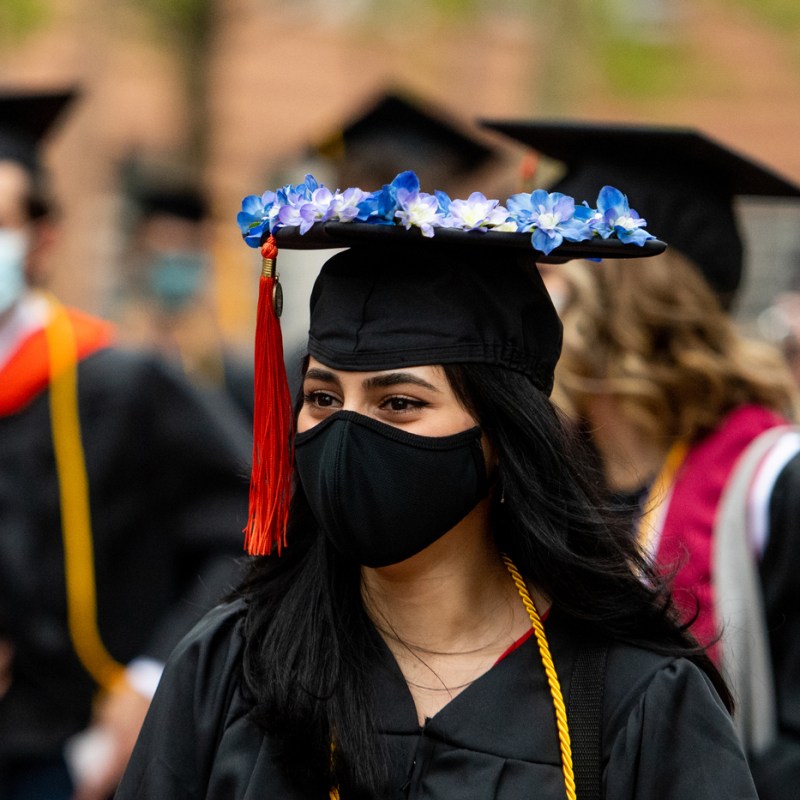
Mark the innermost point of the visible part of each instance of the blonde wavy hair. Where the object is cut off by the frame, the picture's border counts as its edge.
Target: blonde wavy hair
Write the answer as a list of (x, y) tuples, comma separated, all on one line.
[(652, 334)]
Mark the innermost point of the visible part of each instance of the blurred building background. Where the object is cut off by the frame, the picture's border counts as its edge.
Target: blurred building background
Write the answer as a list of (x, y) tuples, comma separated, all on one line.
[(243, 95)]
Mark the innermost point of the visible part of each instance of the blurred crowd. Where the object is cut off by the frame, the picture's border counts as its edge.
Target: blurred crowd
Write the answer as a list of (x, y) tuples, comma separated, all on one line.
[(125, 448)]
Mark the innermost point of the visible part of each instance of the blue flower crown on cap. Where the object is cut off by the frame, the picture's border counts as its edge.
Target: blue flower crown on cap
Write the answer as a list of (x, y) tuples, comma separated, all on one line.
[(550, 218)]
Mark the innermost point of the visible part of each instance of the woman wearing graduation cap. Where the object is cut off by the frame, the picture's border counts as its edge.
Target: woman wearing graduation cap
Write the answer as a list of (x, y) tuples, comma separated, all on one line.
[(689, 418), (439, 607)]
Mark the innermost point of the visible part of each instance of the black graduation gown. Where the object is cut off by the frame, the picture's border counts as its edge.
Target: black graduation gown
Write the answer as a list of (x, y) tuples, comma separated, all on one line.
[(168, 490), (777, 770), (666, 733)]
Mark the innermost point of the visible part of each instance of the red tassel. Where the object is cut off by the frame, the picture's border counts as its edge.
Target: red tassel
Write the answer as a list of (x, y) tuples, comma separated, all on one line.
[(273, 423)]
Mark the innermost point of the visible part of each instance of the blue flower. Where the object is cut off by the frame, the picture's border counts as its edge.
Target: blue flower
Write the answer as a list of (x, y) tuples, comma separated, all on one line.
[(318, 209), (304, 204), (256, 216), (310, 183), (407, 180), (592, 217), (289, 214), (551, 218), (619, 218), (380, 207), (444, 202)]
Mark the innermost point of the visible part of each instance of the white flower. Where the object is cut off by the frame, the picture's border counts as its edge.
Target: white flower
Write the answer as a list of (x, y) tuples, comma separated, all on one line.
[(475, 213), (418, 209)]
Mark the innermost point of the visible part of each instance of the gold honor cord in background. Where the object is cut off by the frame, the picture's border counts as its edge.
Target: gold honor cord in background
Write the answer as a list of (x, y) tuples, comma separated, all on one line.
[(662, 485), (73, 486)]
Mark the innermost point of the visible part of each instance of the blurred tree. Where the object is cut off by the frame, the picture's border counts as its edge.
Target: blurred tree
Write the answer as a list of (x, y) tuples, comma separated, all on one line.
[(784, 15), (639, 47), (634, 48), (20, 17), (187, 26)]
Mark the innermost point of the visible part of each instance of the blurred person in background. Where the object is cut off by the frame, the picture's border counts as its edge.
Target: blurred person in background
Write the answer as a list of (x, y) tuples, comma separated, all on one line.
[(690, 420), (122, 500), (169, 304), (780, 323)]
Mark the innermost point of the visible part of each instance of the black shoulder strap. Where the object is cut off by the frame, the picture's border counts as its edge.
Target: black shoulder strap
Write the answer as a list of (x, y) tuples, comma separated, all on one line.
[(585, 719)]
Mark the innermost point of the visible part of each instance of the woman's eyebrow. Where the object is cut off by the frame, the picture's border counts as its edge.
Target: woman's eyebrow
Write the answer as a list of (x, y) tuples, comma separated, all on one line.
[(315, 373), (396, 378)]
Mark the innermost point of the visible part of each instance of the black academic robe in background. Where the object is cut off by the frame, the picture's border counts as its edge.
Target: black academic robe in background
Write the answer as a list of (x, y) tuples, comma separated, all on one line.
[(167, 474), (666, 735), (777, 770)]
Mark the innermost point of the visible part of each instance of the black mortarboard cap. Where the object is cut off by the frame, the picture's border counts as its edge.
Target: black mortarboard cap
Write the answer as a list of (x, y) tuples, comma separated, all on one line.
[(396, 298), (374, 309), (25, 120), (679, 179), (395, 132)]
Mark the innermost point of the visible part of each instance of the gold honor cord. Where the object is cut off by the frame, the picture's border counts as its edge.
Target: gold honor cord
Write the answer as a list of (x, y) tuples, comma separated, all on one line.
[(73, 487), (552, 682), (552, 678), (658, 492)]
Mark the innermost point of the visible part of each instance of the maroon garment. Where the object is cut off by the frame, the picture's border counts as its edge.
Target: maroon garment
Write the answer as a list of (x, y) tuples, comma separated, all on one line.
[(686, 537)]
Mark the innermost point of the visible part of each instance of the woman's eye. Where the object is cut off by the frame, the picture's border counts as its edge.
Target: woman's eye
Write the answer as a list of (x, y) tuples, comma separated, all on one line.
[(400, 404), (320, 399)]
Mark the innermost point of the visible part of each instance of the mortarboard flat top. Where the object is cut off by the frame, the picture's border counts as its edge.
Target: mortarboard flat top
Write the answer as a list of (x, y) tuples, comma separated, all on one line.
[(658, 147), (331, 235), (26, 117)]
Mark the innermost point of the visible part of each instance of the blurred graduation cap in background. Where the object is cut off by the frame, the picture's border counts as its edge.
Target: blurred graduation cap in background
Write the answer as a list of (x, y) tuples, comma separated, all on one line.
[(26, 117), (683, 182), (162, 187), (394, 133), (183, 201)]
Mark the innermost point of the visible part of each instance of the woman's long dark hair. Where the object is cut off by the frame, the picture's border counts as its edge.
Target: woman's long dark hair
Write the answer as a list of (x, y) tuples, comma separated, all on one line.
[(309, 643)]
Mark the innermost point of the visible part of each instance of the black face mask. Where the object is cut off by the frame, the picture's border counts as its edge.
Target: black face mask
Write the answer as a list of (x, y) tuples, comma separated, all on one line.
[(381, 494)]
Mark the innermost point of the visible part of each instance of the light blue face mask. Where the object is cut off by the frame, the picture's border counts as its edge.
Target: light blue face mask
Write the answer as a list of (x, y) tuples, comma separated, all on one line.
[(13, 252), (176, 277)]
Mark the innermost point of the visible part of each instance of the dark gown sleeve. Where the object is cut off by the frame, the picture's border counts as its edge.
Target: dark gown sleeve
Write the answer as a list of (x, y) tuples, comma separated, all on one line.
[(175, 753), (167, 471), (676, 742), (199, 449), (777, 771)]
